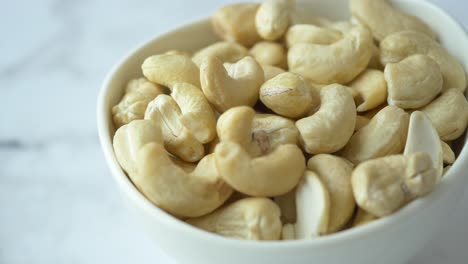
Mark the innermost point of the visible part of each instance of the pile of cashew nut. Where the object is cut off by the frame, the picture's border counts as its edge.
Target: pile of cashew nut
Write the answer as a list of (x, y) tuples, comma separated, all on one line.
[(294, 129)]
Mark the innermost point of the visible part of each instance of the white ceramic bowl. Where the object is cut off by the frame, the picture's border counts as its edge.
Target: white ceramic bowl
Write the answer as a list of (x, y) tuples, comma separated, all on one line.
[(391, 240)]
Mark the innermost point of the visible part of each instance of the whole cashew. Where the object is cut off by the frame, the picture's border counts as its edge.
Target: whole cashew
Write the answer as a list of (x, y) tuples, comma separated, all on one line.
[(230, 85), (173, 189), (363, 218), (335, 174), (400, 45), (372, 89), (339, 62), (130, 138), (311, 34), (273, 174), (382, 186), (384, 135), (270, 53), (330, 128), (413, 82), (273, 18), (169, 69), (271, 72), (224, 50), (236, 23), (449, 114), (448, 155), (138, 94), (313, 207), (177, 138), (383, 19), (259, 134), (250, 219), (288, 95)]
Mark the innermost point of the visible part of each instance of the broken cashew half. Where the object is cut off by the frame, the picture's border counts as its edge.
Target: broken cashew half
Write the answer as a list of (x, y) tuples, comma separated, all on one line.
[(230, 85), (250, 219), (329, 129), (382, 186), (339, 62)]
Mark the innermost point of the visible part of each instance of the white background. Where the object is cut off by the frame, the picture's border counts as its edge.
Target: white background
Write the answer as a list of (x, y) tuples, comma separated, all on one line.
[(58, 203)]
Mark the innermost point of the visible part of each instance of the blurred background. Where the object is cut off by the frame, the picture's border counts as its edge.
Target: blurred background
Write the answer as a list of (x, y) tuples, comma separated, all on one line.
[(58, 202)]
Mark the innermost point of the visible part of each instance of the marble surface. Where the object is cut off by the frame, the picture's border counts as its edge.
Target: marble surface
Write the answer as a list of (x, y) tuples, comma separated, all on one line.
[(58, 203)]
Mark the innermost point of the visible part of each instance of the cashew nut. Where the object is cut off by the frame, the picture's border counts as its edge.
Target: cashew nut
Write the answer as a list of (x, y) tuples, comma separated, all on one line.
[(383, 19), (361, 121), (288, 95), (132, 137), (270, 53), (287, 204), (339, 62), (335, 174), (178, 140), (372, 89), (273, 18), (225, 51), (400, 45), (271, 72), (250, 218), (449, 114), (447, 153), (236, 23), (230, 85), (330, 128), (169, 69), (259, 134), (270, 175), (363, 218), (138, 94), (413, 82), (422, 137), (383, 185), (384, 135), (311, 34), (313, 207)]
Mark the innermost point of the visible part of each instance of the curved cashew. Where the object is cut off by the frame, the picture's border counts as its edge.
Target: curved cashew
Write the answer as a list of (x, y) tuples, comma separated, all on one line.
[(250, 218), (132, 106), (236, 23), (313, 207), (447, 153), (330, 128), (449, 114), (173, 189), (372, 90), (335, 174), (232, 84), (422, 137), (273, 174), (288, 95), (287, 204), (197, 115), (271, 72), (384, 135), (273, 18), (177, 138), (225, 51), (413, 82), (311, 34), (169, 69), (363, 218), (270, 53), (382, 186), (361, 121), (339, 62), (130, 138), (400, 45), (383, 19)]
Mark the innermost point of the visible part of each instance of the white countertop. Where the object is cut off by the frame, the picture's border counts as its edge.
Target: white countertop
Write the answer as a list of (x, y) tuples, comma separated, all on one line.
[(58, 203)]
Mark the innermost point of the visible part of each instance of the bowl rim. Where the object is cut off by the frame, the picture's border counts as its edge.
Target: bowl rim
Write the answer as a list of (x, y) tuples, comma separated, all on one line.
[(341, 237)]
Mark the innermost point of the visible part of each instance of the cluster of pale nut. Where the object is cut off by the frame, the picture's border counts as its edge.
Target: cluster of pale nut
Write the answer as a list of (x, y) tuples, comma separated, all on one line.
[(372, 120)]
